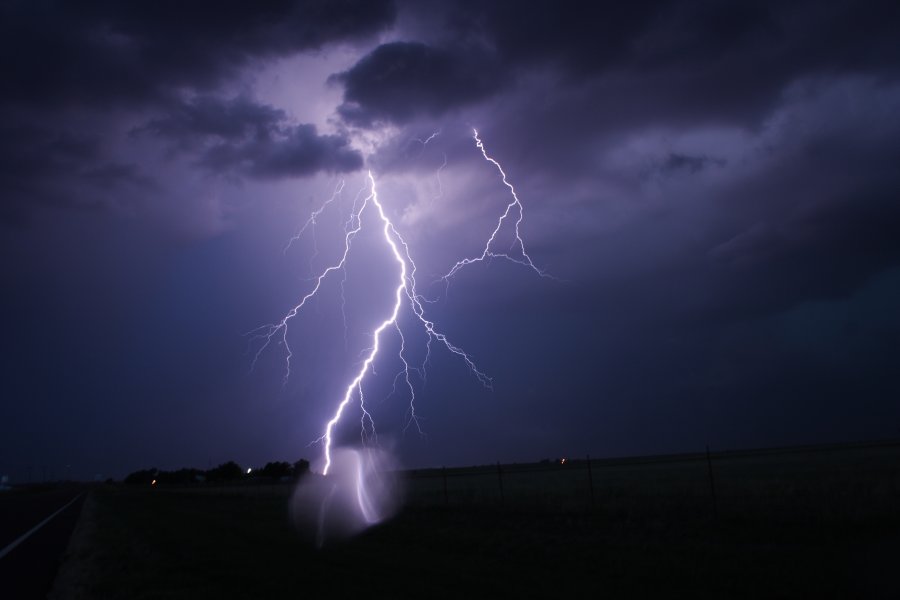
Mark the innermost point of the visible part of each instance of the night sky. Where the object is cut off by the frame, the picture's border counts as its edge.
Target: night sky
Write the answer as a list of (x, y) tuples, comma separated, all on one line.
[(715, 186)]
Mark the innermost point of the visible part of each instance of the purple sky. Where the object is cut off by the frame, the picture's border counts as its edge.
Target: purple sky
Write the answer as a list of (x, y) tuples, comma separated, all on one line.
[(715, 183)]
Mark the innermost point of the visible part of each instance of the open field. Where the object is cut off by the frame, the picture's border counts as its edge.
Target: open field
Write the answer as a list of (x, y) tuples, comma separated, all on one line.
[(821, 523), (802, 482)]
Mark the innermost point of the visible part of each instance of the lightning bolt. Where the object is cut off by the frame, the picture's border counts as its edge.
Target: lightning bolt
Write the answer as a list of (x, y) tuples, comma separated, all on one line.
[(514, 206), (428, 139), (437, 176), (405, 294), (311, 222), (279, 330)]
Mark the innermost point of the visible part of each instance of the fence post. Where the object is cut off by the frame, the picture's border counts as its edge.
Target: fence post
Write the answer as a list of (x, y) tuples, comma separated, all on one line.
[(590, 480), (500, 481), (712, 484), (444, 475)]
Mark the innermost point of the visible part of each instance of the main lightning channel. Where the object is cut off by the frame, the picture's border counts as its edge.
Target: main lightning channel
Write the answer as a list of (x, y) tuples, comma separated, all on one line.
[(406, 289), (392, 320), (404, 292)]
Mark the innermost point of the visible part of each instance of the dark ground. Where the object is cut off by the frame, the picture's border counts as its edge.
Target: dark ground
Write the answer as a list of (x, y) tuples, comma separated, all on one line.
[(29, 569), (835, 533)]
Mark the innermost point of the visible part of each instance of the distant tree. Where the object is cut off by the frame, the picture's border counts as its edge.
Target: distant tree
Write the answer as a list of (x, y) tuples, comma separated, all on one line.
[(225, 472), (228, 471), (144, 477), (275, 470), (181, 476), (301, 468)]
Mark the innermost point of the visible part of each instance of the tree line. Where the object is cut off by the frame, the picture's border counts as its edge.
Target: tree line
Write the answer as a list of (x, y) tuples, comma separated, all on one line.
[(229, 471)]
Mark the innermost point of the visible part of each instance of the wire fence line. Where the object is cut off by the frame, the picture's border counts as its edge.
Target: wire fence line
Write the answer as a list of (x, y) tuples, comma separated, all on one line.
[(851, 480)]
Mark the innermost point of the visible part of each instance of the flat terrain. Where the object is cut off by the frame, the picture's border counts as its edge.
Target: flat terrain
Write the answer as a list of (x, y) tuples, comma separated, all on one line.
[(806, 526), (28, 569)]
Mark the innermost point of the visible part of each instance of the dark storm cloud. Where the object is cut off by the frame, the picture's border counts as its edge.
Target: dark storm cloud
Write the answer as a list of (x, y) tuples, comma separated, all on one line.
[(692, 164), (113, 175), (715, 46), (112, 53), (292, 152), (100, 60), (188, 122), (670, 59), (581, 36), (825, 251), (816, 220), (402, 80), (49, 166), (823, 219), (609, 73), (28, 151), (242, 137)]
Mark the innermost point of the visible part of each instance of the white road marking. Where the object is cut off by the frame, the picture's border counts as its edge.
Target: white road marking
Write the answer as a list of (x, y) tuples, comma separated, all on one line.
[(31, 532)]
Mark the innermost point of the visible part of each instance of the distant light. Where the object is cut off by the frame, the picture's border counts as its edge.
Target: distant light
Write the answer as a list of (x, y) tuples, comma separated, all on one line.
[(248, 470), (153, 482), (562, 461)]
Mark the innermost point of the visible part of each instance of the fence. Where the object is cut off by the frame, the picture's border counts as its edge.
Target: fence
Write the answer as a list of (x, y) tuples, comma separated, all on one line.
[(850, 480)]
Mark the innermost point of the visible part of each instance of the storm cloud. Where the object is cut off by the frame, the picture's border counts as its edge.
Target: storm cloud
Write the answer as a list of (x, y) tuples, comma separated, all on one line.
[(241, 137), (714, 186), (402, 80), (103, 64), (100, 53), (667, 60)]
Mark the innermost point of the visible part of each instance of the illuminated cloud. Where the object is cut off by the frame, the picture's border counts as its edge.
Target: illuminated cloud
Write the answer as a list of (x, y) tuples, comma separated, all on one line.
[(712, 182)]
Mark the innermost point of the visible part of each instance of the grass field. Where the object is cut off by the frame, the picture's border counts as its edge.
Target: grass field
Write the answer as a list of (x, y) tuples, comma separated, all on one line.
[(789, 525)]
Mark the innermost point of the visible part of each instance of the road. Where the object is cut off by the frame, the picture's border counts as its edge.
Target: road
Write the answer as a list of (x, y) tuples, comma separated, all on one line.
[(31, 546)]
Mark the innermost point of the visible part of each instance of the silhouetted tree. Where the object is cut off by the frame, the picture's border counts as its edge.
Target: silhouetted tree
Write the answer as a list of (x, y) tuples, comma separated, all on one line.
[(275, 470), (181, 476), (228, 471), (301, 468), (225, 472), (143, 477)]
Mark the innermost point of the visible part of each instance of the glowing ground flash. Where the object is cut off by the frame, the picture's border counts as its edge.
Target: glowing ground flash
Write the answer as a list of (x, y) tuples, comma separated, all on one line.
[(404, 294)]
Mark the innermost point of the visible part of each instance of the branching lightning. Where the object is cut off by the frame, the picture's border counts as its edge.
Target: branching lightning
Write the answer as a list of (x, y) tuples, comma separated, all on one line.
[(437, 176), (424, 143), (518, 244), (312, 222), (404, 294)]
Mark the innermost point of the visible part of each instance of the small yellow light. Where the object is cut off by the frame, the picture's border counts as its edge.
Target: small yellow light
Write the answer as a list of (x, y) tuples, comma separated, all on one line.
[(153, 482)]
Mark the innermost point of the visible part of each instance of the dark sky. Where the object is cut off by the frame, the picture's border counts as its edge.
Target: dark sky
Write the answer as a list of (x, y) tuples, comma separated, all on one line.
[(715, 186)]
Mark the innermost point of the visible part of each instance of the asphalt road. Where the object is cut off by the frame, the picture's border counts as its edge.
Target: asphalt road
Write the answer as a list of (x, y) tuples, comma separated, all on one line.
[(28, 569)]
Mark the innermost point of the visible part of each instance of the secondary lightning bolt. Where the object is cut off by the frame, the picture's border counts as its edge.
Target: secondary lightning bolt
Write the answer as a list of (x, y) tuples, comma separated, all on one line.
[(312, 221), (488, 252), (269, 332), (424, 143), (428, 139)]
